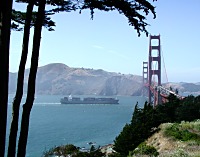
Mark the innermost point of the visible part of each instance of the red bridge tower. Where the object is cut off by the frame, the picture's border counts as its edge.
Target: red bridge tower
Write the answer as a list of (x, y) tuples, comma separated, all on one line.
[(153, 69)]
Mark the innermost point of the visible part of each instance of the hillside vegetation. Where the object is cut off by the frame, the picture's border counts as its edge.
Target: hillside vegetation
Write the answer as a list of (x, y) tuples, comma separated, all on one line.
[(177, 139), (147, 122)]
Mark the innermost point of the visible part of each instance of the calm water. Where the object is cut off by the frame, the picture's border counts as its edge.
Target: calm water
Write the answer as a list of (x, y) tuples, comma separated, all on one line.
[(53, 124)]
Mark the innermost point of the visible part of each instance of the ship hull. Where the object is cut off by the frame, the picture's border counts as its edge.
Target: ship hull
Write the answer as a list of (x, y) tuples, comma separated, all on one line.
[(93, 101)]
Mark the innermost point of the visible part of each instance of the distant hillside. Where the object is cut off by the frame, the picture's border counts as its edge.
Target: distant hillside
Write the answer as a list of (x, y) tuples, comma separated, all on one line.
[(60, 79), (185, 88)]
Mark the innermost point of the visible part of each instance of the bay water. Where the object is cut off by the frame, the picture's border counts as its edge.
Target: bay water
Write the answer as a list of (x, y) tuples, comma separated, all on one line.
[(53, 124)]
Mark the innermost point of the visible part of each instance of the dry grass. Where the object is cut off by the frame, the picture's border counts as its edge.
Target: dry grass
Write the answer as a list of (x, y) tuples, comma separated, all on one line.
[(171, 147)]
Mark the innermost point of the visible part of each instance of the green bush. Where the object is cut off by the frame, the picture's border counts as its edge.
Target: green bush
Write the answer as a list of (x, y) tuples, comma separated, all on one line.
[(73, 151), (177, 132), (115, 155), (61, 150), (144, 149)]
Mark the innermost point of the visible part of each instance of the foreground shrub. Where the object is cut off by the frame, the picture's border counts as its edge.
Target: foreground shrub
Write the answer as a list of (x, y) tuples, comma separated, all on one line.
[(63, 150), (175, 130), (115, 155), (144, 149), (72, 151)]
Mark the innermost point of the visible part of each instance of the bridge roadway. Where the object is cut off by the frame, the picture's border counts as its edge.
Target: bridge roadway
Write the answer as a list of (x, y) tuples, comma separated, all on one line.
[(164, 92)]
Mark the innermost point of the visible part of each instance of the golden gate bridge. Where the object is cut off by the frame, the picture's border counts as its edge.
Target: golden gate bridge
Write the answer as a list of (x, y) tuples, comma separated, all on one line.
[(157, 94)]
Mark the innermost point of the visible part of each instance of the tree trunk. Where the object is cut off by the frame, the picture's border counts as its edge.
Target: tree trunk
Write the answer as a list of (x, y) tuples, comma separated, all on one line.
[(32, 80), (5, 22), (20, 82)]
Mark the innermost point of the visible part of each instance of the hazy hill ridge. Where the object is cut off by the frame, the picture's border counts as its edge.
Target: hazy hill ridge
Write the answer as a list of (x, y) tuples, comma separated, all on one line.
[(60, 79), (57, 78)]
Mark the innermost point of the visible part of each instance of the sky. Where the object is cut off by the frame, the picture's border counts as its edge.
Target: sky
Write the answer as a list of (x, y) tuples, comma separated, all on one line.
[(108, 42)]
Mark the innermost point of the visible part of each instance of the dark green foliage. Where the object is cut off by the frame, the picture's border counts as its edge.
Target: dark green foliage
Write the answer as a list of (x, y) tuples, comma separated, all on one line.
[(145, 121), (115, 155), (95, 153), (61, 150), (18, 17), (124, 142), (135, 11), (73, 151), (92, 149), (144, 149), (179, 133), (189, 109), (167, 112), (133, 134)]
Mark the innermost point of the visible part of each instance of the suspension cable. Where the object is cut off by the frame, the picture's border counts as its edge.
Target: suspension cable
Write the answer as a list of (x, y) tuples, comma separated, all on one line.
[(164, 65)]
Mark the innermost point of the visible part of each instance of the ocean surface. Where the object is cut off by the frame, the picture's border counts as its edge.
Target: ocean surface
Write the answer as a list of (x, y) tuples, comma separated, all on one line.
[(54, 124)]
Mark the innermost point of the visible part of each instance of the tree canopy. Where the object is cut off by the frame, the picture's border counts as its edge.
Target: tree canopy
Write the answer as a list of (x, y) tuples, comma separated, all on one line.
[(135, 11)]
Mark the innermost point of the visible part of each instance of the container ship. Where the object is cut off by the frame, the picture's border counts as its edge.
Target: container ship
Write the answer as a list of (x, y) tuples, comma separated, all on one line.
[(88, 100)]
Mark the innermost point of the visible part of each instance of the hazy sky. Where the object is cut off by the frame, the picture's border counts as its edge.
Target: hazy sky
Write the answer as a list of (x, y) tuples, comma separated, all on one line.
[(108, 42)]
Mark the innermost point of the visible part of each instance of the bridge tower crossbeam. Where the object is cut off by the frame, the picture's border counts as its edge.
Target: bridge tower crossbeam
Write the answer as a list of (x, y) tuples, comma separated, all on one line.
[(149, 71), (157, 94), (145, 78)]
